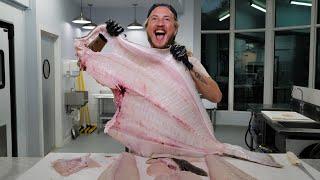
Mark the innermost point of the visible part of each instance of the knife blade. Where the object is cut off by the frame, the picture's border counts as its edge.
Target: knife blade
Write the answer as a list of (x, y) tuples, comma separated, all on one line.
[(294, 160)]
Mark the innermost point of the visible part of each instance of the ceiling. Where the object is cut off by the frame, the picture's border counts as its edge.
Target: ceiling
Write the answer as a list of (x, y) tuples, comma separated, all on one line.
[(177, 4)]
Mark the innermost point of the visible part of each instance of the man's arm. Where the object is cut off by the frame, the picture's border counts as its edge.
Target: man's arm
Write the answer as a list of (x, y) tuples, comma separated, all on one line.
[(206, 86)]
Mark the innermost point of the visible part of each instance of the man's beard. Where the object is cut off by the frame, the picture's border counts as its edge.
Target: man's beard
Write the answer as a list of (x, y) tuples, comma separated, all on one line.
[(170, 42)]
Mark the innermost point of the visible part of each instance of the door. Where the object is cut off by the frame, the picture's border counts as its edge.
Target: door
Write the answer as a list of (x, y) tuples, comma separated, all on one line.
[(48, 87), (5, 109)]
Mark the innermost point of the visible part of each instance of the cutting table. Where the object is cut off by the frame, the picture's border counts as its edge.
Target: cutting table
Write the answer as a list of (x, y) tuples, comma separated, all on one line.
[(43, 169)]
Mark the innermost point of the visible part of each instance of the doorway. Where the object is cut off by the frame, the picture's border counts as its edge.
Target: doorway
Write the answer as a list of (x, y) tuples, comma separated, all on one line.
[(48, 89), (8, 130)]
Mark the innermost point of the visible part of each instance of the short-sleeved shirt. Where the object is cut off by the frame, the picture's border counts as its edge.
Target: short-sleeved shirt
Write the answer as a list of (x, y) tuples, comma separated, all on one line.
[(198, 67)]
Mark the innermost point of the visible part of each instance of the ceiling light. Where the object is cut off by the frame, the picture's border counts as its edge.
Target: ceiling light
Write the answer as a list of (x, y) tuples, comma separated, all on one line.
[(224, 17), (135, 25), (300, 3), (89, 25), (81, 19), (258, 7)]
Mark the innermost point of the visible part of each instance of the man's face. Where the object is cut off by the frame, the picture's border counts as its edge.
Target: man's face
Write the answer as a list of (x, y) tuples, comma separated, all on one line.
[(161, 28)]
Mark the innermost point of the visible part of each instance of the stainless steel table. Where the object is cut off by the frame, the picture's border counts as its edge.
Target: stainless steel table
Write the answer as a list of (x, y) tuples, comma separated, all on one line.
[(101, 115)]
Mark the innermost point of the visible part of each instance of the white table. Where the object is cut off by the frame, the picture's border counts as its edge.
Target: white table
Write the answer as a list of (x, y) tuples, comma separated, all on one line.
[(100, 115), (43, 170)]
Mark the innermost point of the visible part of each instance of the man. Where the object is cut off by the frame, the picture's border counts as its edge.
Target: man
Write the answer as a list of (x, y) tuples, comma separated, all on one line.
[(161, 27)]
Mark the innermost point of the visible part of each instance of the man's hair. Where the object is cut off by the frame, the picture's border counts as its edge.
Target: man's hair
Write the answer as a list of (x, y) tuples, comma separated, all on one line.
[(174, 12)]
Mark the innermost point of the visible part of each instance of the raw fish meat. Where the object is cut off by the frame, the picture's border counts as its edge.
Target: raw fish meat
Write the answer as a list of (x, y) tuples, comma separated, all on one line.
[(124, 167), (158, 108), (66, 167), (129, 166), (179, 175), (220, 169), (169, 165)]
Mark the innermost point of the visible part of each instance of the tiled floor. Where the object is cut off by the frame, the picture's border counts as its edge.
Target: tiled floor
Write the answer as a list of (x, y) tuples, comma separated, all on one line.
[(102, 143), (95, 143)]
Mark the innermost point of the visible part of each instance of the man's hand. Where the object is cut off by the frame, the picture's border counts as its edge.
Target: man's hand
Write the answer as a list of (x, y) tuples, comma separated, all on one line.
[(180, 54), (113, 28)]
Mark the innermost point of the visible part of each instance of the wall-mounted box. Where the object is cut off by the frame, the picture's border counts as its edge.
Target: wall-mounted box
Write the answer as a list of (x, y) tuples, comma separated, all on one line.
[(71, 68)]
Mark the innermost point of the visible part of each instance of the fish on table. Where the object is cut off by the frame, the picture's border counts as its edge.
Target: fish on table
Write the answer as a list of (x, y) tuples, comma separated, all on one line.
[(158, 108)]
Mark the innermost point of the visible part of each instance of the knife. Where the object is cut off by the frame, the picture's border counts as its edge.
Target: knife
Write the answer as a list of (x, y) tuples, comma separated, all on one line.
[(294, 160)]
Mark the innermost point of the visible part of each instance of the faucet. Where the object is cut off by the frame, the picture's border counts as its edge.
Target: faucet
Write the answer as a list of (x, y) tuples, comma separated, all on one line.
[(301, 103)]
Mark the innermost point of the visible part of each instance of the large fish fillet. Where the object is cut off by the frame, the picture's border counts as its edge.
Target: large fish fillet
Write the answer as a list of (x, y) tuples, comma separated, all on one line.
[(158, 108), (124, 167)]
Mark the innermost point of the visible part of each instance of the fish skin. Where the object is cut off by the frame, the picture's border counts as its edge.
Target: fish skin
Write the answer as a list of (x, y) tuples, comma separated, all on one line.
[(158, 108), (187, 166)]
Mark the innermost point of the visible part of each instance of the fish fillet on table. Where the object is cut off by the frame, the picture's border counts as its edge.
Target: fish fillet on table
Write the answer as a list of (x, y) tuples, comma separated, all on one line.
[(158, 108), (133, 167)]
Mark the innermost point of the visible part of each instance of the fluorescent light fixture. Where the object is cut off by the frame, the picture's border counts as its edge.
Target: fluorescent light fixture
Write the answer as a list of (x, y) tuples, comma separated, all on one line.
[(300, 3), (81, 19), (224, 17), (135, 25), (258, 7), (91, 25)]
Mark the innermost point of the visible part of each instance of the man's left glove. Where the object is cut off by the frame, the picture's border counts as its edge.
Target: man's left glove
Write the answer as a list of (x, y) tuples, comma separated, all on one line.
[(180, 54), (113, 28)]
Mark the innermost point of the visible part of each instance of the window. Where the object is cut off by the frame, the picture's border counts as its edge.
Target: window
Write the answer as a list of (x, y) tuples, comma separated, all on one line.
[(215, 58), (291, 62), (2, 73), (288, 14), (215, 15), (250, 14), (290, 32), (248, 69)]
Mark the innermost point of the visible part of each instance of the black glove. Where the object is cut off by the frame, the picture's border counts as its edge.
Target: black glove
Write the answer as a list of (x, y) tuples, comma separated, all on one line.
[(113, 28), (180, 54)]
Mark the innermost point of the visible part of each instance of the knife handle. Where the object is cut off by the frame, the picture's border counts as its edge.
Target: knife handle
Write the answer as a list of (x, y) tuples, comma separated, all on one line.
[(294, 160)]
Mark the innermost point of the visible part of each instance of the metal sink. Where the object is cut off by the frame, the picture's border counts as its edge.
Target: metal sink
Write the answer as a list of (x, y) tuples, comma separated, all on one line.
[(75, 99), (299, 124)]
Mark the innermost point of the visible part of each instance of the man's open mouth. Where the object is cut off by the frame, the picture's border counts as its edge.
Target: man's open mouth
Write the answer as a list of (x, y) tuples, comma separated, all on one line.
[(160, 34)]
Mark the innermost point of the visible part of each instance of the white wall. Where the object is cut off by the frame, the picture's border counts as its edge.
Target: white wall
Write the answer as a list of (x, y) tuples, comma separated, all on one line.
[(54, 17), (17, 18)]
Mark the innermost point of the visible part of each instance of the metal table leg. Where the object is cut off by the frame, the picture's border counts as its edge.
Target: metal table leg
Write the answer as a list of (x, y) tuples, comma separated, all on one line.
[(98, 116)]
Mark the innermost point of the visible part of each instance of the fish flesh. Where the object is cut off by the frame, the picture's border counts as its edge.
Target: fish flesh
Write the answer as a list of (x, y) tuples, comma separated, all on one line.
[(213, 167), (66, 167), (173, 164), (124, 167), (220, 169), (179, 175), (127, 166), (158, 108)]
